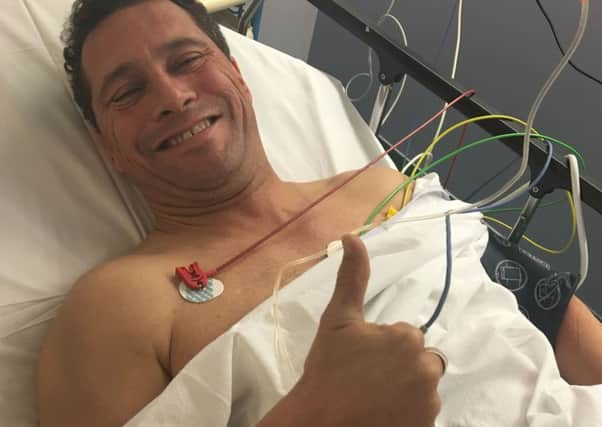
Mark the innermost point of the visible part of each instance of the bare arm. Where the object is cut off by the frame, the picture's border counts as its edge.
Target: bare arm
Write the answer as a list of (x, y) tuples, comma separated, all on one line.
[(98, 366), (579, 345)]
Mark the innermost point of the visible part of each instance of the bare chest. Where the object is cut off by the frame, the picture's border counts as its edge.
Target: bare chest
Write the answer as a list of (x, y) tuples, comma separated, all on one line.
[(249, 283)]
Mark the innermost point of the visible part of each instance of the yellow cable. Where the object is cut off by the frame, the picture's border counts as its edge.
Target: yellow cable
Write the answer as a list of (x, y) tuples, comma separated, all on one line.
[(456, 126), (539, 246)]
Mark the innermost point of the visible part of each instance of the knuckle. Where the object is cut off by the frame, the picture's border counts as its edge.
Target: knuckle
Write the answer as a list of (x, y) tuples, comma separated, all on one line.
[(430, 369), (416, 336), (434, 406)]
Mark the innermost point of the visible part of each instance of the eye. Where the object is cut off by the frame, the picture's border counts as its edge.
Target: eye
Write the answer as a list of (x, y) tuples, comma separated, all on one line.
[(125, 95), (188, 62)]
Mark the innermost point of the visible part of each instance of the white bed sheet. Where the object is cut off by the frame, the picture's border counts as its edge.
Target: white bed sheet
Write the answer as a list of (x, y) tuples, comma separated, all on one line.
[(63, 210), (502, 370)]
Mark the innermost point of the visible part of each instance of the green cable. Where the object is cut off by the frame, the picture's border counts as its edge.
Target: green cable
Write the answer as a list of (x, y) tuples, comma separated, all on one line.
[(423, 172), (543, 205)]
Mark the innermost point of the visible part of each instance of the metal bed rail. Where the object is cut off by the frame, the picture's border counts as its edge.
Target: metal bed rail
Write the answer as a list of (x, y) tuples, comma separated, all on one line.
[(397, 60)]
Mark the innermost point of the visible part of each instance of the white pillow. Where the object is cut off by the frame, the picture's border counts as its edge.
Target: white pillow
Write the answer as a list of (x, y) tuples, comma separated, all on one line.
[(64, 211)]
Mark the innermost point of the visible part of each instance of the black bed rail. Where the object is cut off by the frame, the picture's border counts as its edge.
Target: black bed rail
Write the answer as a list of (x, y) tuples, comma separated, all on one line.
[(397, 60)]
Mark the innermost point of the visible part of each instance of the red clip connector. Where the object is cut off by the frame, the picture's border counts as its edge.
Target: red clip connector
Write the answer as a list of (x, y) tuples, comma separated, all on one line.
[(194, 277)]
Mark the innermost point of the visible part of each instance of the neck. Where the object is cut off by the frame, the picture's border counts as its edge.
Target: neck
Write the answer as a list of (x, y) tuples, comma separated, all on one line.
[(257, 207)]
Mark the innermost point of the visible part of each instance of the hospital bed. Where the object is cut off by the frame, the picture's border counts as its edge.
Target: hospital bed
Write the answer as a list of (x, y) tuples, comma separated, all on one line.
[(396, 60), (64, 210)]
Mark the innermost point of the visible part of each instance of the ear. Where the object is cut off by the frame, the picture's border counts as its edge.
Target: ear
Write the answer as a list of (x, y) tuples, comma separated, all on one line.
[(105, 148), (239, 74)]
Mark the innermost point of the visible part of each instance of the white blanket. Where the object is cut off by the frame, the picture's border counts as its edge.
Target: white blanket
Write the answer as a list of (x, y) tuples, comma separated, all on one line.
[(502, 370)]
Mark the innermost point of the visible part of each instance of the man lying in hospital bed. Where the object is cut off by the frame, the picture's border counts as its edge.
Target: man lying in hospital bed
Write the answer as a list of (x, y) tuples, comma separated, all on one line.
[(178, 121)]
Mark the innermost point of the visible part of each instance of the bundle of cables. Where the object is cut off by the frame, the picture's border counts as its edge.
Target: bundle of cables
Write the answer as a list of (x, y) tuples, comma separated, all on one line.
[(500, 198)]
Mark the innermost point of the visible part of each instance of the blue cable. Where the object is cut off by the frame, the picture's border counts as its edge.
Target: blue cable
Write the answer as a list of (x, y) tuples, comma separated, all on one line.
[(448, 270), (448, 273), (536, 181), (257, 21)]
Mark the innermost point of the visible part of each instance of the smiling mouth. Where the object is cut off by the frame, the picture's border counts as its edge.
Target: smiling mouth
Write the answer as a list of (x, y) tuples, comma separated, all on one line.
[(186, 135)]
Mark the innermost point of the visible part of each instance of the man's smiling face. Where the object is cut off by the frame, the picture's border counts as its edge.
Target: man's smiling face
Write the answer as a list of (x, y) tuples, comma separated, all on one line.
[(174, 113)]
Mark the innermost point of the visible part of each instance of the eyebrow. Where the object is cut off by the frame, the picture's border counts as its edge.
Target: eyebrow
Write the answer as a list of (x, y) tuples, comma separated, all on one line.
[(179, 43), (126, 68), (121, 71)]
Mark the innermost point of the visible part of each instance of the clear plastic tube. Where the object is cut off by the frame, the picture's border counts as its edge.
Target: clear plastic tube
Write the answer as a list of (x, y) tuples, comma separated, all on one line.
[(455, 62), (405, 76), (370, 73), (581, 234), (281, 350), (535, 108), (390, 8)]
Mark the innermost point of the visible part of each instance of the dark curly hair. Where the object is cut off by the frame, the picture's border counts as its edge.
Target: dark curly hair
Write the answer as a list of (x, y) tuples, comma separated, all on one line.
[(86, 15)]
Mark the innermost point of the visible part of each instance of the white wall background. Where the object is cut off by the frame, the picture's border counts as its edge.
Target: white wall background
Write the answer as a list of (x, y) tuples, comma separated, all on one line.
[(288, 25)]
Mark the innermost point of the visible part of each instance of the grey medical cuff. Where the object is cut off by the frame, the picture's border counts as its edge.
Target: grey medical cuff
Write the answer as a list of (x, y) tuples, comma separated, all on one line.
[(543, 293)]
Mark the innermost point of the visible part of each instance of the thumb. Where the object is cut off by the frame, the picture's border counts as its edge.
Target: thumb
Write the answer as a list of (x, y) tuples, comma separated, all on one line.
[(347, 302)]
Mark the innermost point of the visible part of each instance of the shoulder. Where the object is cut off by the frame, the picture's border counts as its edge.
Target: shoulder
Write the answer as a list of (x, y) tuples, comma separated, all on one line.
[(115, 294), (377, 180), (105, 340)]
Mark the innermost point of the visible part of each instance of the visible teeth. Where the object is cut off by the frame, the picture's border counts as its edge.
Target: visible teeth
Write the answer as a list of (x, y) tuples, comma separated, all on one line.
[(171, 142), (186, 135), (201, 126)]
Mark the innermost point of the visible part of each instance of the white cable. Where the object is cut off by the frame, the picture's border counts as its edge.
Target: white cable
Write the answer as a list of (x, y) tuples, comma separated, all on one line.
[(414, 160), (401, 88), (390, 8), (370, 76), (370, 73), (405, 76), (454, 64), (553, 77), (581, 234)]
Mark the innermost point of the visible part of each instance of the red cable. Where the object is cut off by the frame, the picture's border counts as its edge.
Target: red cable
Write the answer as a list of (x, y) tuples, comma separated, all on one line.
[(278, 229), (453, 162)]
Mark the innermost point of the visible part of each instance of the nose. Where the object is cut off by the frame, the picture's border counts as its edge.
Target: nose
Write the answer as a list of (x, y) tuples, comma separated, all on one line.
[(172, 95)]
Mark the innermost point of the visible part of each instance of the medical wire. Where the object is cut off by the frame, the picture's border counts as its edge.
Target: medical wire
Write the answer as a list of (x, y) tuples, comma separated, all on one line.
[(405, 76), (336, 188), (414, 160), (538, 245), (448, 27), (390, 8), (538, 101), (370, 76), (453, 162), (581, 235), (448, 273), (543, 205), (449, 130), (452, 128), (535, 108), (449, 259), (425, 170), (460, 150), (370, 73), (571, 63), (456, 58), (520, 192), (281, 351), (531, 241)]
